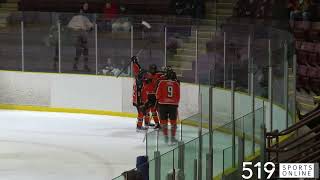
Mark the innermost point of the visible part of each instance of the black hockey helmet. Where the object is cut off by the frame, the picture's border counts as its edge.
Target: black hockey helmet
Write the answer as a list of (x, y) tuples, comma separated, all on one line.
[(170, 74), (153, 68)]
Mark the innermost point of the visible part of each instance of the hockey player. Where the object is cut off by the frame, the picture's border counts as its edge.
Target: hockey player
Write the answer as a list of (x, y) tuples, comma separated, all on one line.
[(152, 78), (138, 98), (168, 98)]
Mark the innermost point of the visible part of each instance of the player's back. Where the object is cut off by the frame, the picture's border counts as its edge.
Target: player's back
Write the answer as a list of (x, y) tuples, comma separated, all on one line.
[(168, 92)]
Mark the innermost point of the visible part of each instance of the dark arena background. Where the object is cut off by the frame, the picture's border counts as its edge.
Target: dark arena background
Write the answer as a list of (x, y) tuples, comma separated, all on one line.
[(159, 90)]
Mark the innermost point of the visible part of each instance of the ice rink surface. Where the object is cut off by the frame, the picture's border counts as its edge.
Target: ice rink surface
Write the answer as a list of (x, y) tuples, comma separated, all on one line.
[(62, 146)]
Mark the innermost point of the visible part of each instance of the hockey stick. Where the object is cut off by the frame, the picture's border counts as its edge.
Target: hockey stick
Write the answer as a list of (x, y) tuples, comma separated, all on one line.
[(145, 136), (148, 26)]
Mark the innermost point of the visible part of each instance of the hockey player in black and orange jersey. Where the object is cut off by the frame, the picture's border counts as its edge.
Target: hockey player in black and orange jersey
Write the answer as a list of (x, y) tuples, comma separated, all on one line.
[(152, 78), (168, 98), (139, 99)]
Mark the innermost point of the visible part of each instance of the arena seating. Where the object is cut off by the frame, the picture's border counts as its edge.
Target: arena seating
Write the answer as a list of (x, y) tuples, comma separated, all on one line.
[(307, 35), (308, 58)]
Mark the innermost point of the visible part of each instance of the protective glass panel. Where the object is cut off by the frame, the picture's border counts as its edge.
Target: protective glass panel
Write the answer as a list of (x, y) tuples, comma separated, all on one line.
[(152, 143), (149, 44), (77, 43), (291, 83), (11, 43), (205, 155), (190, 161), (40, 42), (188, 130), (167, 164), (259, 121), (221, 111), (248, 132), (177, 161), (180, 52), (114, 51), (209, 56), (243, 104), (152, 169), (158, 141), (278, 86), (227, 159), (119, 178)]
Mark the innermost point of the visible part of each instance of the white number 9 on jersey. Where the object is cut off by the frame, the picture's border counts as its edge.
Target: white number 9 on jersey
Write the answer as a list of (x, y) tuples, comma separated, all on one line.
[(170, 91)]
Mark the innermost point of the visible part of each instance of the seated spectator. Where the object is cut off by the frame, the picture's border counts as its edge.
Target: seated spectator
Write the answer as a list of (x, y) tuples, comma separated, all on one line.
[(300, 10), (109, 69), (111, 18), (122, 65), (121, 25)]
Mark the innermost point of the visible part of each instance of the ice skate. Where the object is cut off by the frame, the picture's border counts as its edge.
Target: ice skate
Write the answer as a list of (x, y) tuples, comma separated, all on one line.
[(150, 125), (157, 126), (141, 129), (173, 141)]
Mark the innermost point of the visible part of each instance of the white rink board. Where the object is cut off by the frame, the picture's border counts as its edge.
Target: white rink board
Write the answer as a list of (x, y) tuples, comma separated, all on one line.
[(86, 92), (107, 93), (80, 92), (24, 88)]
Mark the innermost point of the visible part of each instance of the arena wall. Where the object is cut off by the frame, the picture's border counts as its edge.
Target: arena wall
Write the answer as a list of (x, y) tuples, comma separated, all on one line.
[(74, 91), (106, 93)]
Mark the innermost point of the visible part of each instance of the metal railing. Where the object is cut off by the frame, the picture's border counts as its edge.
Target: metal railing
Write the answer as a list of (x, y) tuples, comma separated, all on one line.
[(303, 147)]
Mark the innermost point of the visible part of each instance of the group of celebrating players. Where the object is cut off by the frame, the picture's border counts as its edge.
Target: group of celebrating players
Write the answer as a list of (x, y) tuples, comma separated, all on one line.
[(156, 93)]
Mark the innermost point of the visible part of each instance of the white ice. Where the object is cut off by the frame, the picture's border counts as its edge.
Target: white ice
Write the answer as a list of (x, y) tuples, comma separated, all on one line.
[(62, 146)]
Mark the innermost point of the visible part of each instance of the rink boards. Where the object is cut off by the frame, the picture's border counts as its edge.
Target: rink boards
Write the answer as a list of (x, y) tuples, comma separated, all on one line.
[(109, 95)]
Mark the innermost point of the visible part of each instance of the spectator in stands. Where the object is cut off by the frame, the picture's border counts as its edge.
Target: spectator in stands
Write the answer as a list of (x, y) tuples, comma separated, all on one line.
[(110, 68), (84, 10), (299, 10), (111, 19), (122, 65), (81, 50), (264, 9), (246, 8), (111, 10), (210, 65), (173, 43)]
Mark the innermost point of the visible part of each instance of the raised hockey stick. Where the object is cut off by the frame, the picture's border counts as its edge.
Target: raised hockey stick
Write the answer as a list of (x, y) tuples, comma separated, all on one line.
[(148, 26)]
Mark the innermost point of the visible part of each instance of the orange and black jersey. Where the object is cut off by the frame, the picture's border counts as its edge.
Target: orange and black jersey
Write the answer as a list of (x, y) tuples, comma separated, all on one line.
[(136, 95), (136, 69), (168, 92), (151, 81)]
